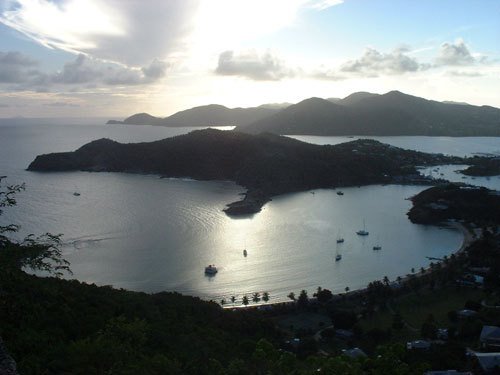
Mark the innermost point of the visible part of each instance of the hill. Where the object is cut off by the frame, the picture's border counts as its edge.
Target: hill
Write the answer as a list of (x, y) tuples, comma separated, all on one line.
[(393, 113), (265, 164), (207, 115)]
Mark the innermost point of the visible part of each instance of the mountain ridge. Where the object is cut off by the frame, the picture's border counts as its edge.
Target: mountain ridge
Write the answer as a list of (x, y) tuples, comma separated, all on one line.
[(361, 113)]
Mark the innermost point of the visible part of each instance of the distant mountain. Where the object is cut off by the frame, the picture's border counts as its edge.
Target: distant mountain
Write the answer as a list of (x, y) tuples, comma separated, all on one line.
[(393, 113), (266, 164), (207, 115)]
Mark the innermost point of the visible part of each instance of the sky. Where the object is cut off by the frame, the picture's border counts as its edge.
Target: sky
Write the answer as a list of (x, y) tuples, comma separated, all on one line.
[(114, 58)]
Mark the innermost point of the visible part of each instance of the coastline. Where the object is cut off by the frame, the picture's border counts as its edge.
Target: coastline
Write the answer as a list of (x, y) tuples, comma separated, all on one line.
[(468, 238)]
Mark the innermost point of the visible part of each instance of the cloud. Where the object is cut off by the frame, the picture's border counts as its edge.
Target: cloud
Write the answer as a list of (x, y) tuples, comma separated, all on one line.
[(18, 71), (454, 54), (457, 73), (251, 65), (324, 4), (16, 67), (61, 104), (132, 32), (374, 63)]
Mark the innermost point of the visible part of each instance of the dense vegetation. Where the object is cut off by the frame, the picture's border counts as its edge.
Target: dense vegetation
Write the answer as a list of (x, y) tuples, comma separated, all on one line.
[(266, 164), (456, 201)]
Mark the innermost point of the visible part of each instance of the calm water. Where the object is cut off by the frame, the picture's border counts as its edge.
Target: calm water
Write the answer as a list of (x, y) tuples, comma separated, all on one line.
[(150, 234)]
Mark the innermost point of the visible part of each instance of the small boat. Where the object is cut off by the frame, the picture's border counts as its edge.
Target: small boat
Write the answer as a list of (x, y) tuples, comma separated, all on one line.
[(76, 194), (377, 247), (245, 253), (338, 257), (363, 232), (340, 192), (340, 240), (211, 269)]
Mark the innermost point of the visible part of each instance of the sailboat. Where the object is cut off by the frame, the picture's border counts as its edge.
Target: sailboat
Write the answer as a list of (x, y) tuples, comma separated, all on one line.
[(340, 239), (338, 256), (363, 232)]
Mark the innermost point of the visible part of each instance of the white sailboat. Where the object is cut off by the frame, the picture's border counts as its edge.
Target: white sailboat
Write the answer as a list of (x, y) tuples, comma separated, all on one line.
[(363, 232)]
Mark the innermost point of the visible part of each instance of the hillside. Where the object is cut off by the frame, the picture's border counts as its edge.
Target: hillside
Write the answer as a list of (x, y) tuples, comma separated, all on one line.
[(265, 164), (393, 113), (207, 115)]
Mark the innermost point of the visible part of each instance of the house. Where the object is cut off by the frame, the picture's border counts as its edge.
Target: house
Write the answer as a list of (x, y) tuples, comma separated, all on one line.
[(344, 334), (418, 345), (466, 313), (490, 336), (354, 353), (442, 333), (489, 362)]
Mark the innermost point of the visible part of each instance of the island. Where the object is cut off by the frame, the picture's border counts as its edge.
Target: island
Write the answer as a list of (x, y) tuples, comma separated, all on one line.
[(471, 204), (483, 166), (265, 164)]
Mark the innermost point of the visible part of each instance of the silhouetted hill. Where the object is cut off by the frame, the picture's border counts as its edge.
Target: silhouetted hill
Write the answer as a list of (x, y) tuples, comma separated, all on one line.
[(393, 113), (265, 164), (207, 115)]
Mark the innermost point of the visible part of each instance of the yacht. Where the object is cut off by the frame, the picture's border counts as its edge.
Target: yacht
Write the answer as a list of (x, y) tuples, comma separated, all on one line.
[(377, 247), (340, 240), (363, 232), (340, 192), (211, 269), (338, 257), (76, 194)]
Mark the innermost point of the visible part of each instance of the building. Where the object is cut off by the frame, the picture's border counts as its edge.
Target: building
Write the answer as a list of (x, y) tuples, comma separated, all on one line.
[(490, 336)]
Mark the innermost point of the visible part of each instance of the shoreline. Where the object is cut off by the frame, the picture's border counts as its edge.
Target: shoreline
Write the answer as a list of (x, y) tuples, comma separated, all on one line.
[(468, 238)]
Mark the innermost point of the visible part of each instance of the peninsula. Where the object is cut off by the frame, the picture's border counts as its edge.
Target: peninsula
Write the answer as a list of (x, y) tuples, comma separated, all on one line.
[(266, 164)]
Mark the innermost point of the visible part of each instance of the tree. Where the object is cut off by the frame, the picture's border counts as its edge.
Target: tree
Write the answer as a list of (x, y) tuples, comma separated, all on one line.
[(323, 295), (265, 296), (347, 289), (256, 297), (291, 295), (233, 299), (303, 298), (41, 253), (397, 321), (429, 328), (245, 300), (8, 199), (386, 280)]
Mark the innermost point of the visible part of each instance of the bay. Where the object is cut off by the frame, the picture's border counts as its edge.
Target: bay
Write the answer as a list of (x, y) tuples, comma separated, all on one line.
[(150, 234)]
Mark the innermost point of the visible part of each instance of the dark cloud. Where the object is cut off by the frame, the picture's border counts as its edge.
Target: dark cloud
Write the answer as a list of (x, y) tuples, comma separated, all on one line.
[(251, 65), (16, 67), (17, 70), (156, 70), (454, 54), (374, 63)]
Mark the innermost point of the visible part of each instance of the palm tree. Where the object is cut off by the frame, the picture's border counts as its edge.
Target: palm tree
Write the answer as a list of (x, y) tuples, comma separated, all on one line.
[(223, 302), (265, 296), (245, 300), (256, 297), (291, 296), (386, 280), (233, 299)]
